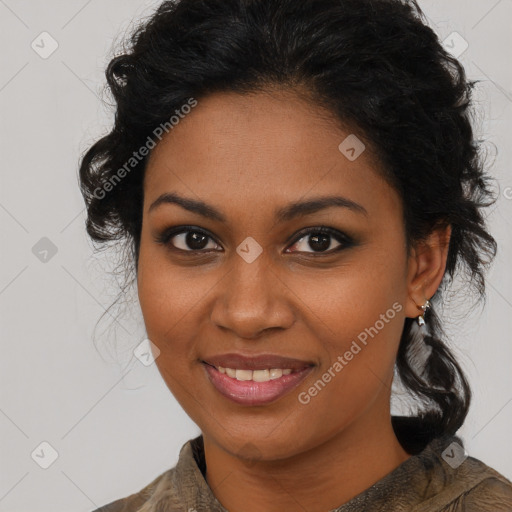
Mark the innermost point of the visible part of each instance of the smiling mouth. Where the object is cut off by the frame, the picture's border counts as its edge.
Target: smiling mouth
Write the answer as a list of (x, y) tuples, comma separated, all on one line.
[(255, 387), (262, 375)]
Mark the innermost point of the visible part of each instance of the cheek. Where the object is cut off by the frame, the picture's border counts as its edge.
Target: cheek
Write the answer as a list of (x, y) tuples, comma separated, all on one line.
[(165, 300), (358, 315), (167, 293), (348, 300), (357, 368)]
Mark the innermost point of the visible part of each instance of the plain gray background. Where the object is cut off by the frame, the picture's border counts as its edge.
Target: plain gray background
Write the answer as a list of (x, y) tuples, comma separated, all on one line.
[(114, 425)]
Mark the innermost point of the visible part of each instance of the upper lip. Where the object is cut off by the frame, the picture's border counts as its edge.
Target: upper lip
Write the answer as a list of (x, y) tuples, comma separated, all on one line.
[(256, 362)]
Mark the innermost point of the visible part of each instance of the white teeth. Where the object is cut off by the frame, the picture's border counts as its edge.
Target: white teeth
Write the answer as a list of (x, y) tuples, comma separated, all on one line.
[(255, 375), (243, 374), (260, 375), (275, 373)]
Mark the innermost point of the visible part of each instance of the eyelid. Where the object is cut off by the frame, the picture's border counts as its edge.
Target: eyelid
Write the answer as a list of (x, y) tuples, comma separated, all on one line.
[(345, 240), (342, 238), (165, 236)]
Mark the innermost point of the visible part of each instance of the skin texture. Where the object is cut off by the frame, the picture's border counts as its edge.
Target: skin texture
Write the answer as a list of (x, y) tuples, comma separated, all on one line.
[(248, 155)]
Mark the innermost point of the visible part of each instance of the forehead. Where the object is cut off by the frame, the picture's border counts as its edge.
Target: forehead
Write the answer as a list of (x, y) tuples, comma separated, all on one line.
[(259, 149)]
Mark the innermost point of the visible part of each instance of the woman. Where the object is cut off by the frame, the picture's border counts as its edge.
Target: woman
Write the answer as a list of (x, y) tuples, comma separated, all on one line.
[(298, 183)]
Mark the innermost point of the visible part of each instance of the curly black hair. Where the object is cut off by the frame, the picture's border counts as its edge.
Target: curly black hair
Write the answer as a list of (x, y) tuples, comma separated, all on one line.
[(379, 68)]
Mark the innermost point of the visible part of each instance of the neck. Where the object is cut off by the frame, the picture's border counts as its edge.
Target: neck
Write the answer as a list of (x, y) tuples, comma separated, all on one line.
[(318, 480)]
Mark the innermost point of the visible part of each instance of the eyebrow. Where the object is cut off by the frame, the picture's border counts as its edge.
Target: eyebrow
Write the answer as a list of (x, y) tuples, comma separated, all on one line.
[(284, 214)]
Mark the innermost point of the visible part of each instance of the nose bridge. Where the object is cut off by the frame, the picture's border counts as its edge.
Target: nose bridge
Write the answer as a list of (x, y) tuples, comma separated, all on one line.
[(252, 297)]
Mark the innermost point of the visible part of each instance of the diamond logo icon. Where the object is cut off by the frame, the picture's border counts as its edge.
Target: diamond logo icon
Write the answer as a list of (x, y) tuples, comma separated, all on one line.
[(44, 45), (352, 147), (44, 455), (44, 250), (146, 352), (454, 455), (455, 44), (249, 249)]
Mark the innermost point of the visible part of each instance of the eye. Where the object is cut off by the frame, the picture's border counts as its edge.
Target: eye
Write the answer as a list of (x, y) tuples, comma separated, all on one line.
[(194, 240), (186, 236), (319, 239)]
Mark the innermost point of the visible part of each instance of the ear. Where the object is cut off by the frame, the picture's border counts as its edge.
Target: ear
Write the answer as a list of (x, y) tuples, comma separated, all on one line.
[(426, 266)]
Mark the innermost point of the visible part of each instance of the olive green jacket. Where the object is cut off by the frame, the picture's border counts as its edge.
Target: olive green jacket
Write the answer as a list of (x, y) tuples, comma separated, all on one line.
[(439, 478)]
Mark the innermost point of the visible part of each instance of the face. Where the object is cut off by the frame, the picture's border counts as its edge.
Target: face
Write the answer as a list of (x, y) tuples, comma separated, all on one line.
[(253, 283)]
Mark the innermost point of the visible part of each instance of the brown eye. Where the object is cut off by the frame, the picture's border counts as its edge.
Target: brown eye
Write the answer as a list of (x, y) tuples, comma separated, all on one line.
[(195, 240), (320, 241), (187, 239)]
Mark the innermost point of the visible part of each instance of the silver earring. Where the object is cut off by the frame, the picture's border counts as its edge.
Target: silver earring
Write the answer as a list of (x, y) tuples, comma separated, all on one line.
[(421, 318)]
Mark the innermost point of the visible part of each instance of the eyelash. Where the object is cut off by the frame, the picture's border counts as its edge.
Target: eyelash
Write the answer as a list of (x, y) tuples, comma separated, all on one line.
[(165, 237)]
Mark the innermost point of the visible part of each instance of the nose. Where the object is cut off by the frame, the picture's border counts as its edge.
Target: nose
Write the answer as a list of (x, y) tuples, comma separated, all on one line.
[(251, 299)]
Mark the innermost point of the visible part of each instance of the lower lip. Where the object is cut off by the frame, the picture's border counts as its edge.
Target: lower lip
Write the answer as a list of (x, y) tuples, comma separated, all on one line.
[(248, 392)]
